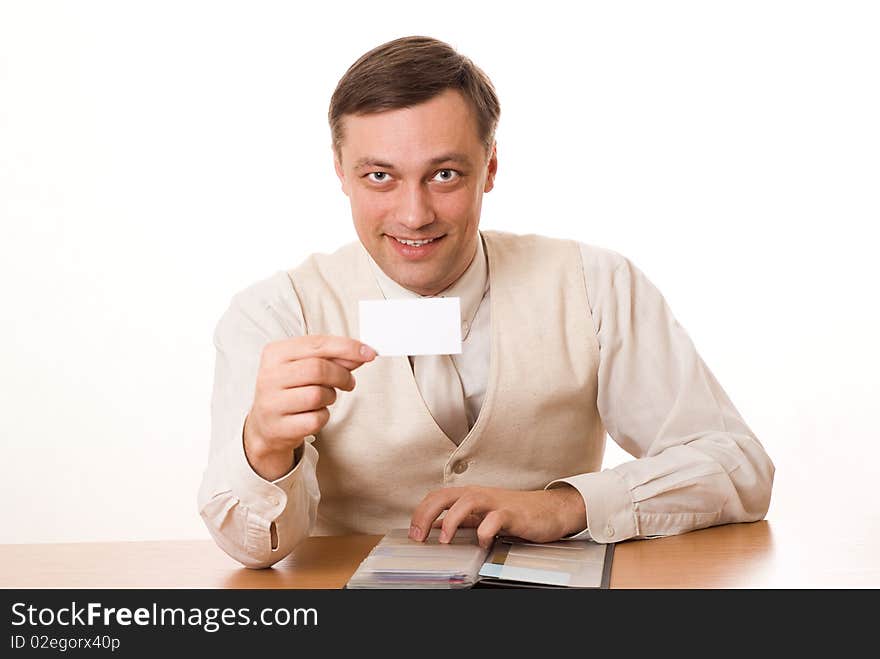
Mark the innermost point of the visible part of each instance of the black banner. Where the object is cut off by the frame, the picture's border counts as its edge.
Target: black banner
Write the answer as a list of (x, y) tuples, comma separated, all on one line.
[(116, 622)]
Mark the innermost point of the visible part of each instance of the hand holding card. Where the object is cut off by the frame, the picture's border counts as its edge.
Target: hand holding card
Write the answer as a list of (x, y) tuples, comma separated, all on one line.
[(296, 383)]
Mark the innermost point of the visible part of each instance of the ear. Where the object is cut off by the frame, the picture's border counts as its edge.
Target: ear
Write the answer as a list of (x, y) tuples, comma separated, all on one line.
[(491, 168), (340, 173)]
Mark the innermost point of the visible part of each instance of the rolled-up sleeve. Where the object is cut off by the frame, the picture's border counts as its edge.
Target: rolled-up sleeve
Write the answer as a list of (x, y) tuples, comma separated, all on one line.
[(238, 506), (697, 462)]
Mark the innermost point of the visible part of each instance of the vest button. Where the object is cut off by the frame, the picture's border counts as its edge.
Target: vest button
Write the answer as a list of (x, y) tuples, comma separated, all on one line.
[(460, 467)]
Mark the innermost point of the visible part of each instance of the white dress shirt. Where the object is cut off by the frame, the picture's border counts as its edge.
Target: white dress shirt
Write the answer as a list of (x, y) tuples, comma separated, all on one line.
[(643, 351)]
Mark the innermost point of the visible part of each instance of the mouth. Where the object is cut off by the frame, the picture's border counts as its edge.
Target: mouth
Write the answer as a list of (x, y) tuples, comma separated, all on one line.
[(415, 249)]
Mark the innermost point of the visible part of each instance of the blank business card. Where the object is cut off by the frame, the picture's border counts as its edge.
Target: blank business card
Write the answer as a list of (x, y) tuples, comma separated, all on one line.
[(426, 326)]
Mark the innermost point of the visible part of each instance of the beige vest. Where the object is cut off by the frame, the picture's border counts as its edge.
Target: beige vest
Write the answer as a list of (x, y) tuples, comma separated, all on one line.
[(381, 451)]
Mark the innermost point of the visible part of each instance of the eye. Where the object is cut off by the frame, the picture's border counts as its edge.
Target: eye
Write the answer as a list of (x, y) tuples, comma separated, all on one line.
[(381, 177), (447, 175)]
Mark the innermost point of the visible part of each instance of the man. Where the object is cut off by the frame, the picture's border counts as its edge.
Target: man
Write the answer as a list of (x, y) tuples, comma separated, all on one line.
[(561, 341)]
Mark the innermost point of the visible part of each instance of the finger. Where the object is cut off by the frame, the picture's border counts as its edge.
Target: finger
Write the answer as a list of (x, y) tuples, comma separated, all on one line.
[(305, 399), (471, 521), (346, 364), (491, 526), (314, 371), (302, 424), (429, 509), (467, 504), (318, 345)]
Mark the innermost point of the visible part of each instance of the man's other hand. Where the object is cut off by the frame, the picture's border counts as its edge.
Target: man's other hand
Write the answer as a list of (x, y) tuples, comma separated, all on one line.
[(537, 516)]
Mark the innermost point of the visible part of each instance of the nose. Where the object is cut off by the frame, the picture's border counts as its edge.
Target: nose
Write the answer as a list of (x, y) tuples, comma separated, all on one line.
[(415, 210)]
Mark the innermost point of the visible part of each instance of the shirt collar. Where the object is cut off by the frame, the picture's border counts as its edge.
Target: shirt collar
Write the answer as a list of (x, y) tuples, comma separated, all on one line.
[(471, 287)]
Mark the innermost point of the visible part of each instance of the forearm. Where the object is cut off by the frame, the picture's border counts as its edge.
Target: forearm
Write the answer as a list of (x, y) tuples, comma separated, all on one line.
[(570, 508), (718, 478)]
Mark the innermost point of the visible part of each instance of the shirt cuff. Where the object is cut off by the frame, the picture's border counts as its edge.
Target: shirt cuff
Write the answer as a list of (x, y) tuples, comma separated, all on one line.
[(264, 498), (611, 513)]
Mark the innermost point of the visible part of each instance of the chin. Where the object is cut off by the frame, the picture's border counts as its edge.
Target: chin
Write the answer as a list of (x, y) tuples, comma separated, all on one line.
[(414, 283)]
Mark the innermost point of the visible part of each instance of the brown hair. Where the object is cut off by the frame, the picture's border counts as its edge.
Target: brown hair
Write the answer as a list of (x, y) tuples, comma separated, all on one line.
[(408, 71)]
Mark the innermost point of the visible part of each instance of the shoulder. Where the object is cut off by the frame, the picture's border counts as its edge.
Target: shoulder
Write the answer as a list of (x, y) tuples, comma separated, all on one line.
[(322, 263), (601, 261), (617, 287), (532, 250), (271, 306), (267, 292), (597, 260), (279, 289), (510, 240), (266, 308)]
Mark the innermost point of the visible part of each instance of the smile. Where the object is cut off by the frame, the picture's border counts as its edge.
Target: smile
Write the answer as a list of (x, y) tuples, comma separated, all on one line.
[(415, 250), (415, 243)]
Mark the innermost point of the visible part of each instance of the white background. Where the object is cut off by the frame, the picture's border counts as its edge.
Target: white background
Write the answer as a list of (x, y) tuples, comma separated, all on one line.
[(157, 157)]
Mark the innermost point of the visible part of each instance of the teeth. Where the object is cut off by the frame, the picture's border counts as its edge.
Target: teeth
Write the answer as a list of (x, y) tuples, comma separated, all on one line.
[(415, 243)]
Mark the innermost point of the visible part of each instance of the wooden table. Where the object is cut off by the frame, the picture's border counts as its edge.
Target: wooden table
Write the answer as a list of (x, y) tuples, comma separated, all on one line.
[(767, 554)]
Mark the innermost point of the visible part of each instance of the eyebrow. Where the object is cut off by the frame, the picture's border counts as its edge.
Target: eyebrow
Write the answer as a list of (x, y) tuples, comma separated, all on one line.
[(370, 161)]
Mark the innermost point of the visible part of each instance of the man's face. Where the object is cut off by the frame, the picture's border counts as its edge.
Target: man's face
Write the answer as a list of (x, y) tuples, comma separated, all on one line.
[(414, 174)]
